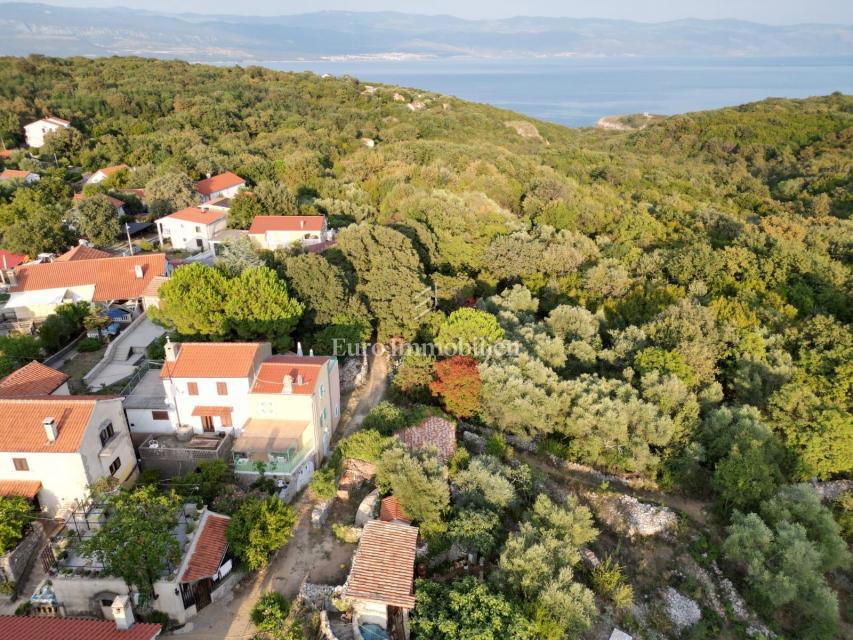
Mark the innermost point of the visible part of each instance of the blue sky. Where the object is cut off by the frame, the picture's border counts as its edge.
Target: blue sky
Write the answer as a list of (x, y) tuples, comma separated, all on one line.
[(767, 11)]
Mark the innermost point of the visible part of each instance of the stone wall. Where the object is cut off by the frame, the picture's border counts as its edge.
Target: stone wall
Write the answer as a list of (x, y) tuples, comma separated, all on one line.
[(15, 566)]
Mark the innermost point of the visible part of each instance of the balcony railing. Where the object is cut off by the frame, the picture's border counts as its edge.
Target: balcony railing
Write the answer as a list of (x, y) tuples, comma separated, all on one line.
[(277, 463)]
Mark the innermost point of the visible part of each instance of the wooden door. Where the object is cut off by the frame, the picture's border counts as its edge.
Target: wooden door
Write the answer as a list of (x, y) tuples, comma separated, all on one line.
[(201, 591), (207, 423)]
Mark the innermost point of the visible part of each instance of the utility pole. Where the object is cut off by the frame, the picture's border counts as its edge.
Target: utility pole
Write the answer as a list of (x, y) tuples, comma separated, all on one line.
[(129, 243)]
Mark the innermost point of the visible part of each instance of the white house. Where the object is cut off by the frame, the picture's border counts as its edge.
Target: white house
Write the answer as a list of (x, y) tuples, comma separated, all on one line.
[(82, 274), (64, 443), (102, 174), (277, 232), (191, 229), (34, 379), (282, 410), (15, 175), (224, 185), (36, 131)]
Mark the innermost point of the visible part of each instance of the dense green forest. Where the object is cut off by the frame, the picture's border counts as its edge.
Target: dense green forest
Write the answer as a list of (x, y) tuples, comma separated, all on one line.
[(680, 293)]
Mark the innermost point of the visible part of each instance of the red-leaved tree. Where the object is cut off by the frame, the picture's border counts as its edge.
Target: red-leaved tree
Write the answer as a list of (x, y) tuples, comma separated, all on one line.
[(458, 385)]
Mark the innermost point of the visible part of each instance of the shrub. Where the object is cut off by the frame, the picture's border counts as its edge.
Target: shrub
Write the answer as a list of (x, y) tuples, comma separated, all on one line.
[(88, 344), (145, 245), (270, 611), (323, 483), (609, 582), (346, 533), (14, 516), (366, 445), (258, 529), (158, 617), (496, 446)]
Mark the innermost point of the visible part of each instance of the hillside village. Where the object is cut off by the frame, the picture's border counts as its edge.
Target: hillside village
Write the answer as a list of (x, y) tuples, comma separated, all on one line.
[(214, 419)]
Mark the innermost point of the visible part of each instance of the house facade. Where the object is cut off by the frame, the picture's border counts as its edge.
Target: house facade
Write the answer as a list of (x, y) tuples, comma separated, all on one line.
[(224, 185), (36, 131), (65, 443), (105, 172), (281, 410), (39, 288), (280, 232), (191, 229)]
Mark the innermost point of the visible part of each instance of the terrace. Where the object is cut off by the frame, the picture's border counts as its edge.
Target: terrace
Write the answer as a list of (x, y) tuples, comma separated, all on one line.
[(276, 446)]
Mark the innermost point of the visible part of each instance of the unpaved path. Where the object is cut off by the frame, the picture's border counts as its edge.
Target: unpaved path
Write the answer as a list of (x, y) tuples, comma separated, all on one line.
[(314, 553)]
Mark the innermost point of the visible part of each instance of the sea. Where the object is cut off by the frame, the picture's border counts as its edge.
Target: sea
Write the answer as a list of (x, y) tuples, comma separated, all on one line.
[(578, 91)]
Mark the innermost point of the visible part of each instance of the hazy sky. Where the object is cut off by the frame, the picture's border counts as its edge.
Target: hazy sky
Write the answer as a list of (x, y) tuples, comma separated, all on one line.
[(767, 11)]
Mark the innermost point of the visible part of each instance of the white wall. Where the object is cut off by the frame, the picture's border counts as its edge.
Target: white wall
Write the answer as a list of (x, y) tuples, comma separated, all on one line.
[(142, 421), (184, 234), (97, 459), (230, 192), (237, 398), (35, 132), (62, 475)]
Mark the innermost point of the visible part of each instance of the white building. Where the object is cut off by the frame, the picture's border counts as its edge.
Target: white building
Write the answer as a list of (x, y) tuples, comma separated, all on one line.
[(191, 229), (281, 410), (102, 174), (281, 232), (224, 185), (64, 443), (15, 175), (36, 131)]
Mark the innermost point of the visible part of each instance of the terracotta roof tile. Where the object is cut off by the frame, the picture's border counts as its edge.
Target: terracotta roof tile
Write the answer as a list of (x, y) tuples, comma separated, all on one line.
[(33, 628), (218, 183), (210, 410), (13, 174), (33, 379), (196, 216), (153, 287), (21, 419), (9, 260), (212, 360), (384, 564), (114, 278), (210, 546), (108, 171), (262, 224), (271, 374), (53, 120), (390, 510), (82, 252), (435, 431), (27, 489)]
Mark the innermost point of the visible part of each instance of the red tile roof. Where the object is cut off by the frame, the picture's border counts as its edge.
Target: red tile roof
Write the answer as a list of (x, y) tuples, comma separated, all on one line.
[(384, 564), (6, 153), (33, 379), (21, 419), (153, 287), (390, 510), (14, 174), (108, 171), (79, 197), (27, 489), (54, 120), (218, 183), (271, 374), (262, 224), (33, 628), (9, 260), (82, 252), (114, 278), (196, 216), (209, 548), (212, 360), (434, 431)]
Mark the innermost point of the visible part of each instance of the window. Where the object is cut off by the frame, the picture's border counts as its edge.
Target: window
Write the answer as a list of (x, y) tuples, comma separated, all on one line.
[(21, 464), (266, 407), (192, 388), (115, 466), (198, 229), (322, 389), (159, 415), (337, 411), (222, 388), (107, 434), (226, 419)]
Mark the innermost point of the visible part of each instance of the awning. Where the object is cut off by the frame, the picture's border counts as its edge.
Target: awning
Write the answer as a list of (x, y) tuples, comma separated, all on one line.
[(219, 412), (21, 488)]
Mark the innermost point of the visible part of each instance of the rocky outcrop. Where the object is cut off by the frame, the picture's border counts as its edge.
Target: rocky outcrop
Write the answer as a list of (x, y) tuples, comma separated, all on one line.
[(625, 514), (320, 512), (681, 610), (354, 373)]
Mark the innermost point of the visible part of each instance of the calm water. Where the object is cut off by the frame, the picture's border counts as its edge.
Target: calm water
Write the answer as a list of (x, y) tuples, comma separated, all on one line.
[(578, 92)]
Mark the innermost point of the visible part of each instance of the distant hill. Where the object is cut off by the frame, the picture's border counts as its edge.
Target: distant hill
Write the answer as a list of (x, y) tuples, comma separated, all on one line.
[(38, 28)]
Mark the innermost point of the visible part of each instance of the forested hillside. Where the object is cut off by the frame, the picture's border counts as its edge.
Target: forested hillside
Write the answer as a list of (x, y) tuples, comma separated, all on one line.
[(681, 294)]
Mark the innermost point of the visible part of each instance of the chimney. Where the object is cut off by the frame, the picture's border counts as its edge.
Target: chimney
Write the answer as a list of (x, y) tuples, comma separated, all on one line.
[(299, 348), (171, 349), (49, 425), (311, 352), (122, 613), (287, 387), (298, 379), (301, 223), (137, 270)]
